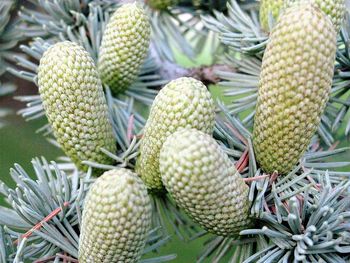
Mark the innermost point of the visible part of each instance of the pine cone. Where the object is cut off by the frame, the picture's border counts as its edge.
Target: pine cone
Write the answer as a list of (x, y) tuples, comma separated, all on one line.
[(75, 104), (182, 103), (116, 219), (295, 84), (268, 7), (335, 9), (204, 182), (124, 47)]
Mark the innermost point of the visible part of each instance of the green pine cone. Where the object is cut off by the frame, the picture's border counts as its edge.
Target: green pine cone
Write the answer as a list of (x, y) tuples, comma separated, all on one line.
[(116, 219), (182, 103), (295, 84), (75, 104), (203, 181), (161, 4), (268, 7), (335, 9), (124, 47)]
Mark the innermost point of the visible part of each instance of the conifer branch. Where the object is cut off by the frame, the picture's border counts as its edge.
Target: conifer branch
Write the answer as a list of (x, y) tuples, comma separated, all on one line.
[(299, 215)]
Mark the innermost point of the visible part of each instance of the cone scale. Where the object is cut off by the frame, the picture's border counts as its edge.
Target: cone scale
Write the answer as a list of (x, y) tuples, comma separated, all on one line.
[(334, 9), (267, 8)]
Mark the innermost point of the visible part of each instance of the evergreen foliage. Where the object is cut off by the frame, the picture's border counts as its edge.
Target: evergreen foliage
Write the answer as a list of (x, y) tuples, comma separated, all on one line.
[(9, 37), (206, 170)]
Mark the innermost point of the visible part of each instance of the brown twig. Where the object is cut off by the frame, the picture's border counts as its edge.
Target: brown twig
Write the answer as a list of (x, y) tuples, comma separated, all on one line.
[(333, 146), (48, 259), (255, 178), (40, 224), (301, 199), (273, 177), (266, 206), (130, 127), (236, 133), (208, 74), (315, 146), (243, 161)]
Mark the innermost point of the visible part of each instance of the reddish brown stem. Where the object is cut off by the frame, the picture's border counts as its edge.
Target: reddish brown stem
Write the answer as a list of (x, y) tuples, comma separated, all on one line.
[(315, 146), (236, 133), (40, 224), (130, 126), (48, 259), (301, 202), (273, 177), (243, 161), (266, 206), (333, 146), (256, 178), (208, 74)]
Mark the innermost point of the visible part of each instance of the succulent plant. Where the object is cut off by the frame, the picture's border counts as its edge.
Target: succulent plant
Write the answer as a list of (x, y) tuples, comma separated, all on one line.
[(75, 104), (203, 181), (116, 218), (182, 103), (295, 84), (124, 47)]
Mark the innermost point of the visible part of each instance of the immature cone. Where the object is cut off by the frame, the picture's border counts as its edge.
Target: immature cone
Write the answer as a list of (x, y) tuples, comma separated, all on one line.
[(75, 104), (267, 8), (182, 103), (204, 182), (124, 47), (335, 10), (161, 4), (116, 219), (294, 88)]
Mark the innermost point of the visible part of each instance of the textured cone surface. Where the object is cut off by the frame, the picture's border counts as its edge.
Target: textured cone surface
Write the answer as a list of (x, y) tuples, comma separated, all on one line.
[(295, 83), (116, 219), (161, 4), (204, 182), (182, 103), (124, 47), (335, 9), (268, 7), (75, 104)]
